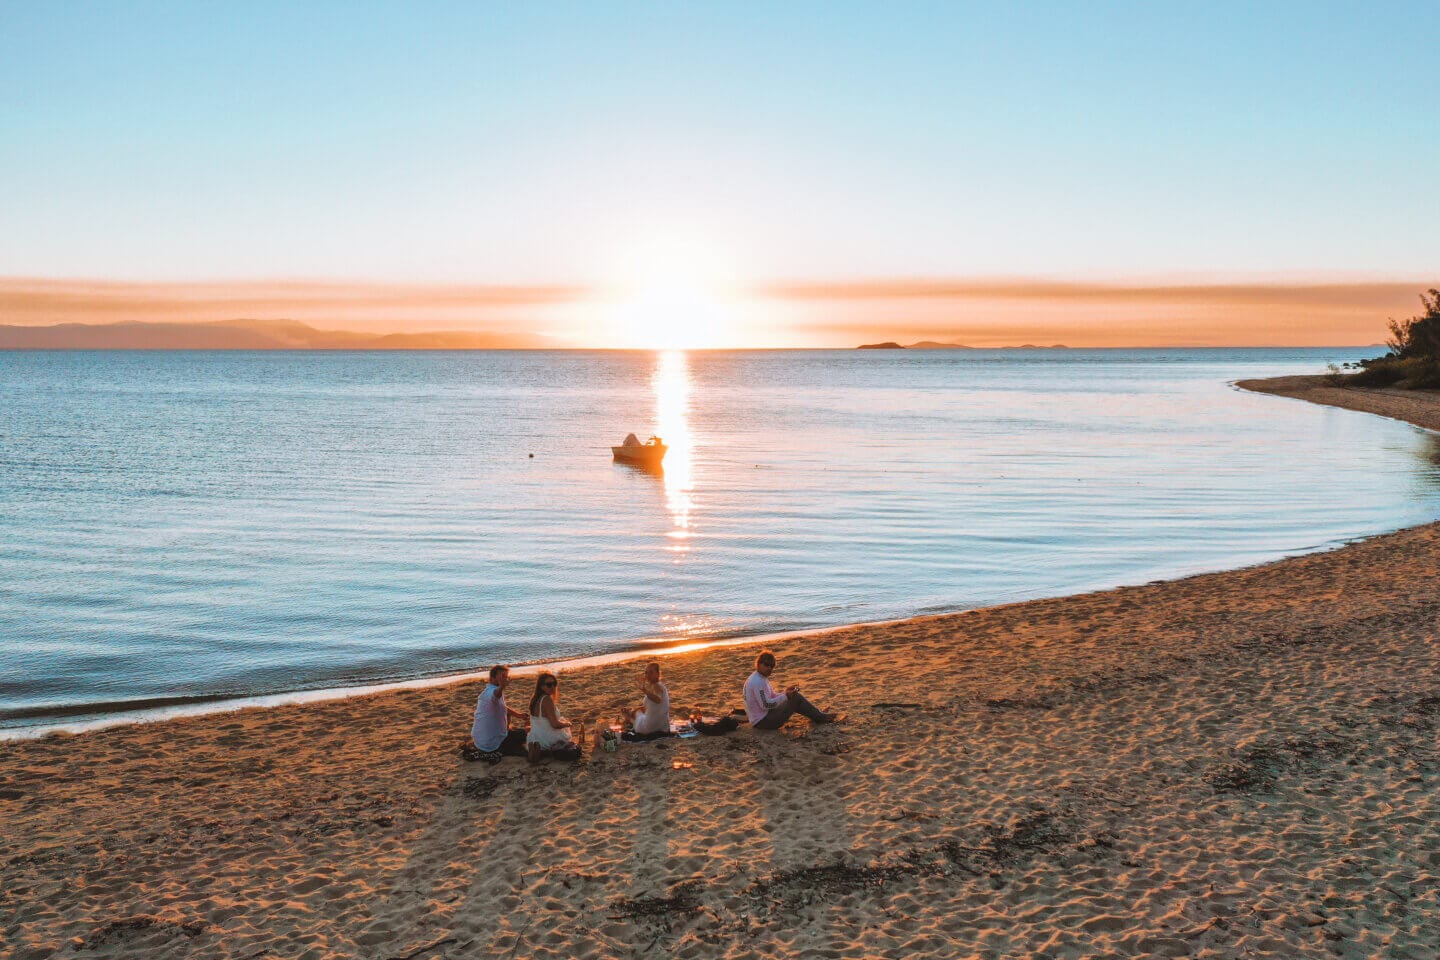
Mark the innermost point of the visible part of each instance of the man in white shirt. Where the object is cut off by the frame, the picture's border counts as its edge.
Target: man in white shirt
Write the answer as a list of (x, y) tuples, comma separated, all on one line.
[(769, 710), (491, 731)]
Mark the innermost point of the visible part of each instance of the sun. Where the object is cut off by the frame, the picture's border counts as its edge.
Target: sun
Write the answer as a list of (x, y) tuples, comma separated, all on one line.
[(670, 313), (672, 302)]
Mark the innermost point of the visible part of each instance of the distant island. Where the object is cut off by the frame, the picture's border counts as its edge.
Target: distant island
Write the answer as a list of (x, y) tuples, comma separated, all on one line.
[(247, 335), (942, 345)]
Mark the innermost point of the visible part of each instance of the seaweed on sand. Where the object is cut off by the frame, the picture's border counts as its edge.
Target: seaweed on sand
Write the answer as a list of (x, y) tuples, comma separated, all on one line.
[(1030, 835), (791, 888), (1257, 769), (480, 788), (683, 898), (112, 930)]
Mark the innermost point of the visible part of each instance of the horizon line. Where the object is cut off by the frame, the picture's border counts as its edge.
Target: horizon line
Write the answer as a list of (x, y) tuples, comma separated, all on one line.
[(982, 313)]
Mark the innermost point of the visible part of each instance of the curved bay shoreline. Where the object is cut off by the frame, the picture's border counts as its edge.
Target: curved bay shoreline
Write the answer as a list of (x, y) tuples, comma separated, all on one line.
[(1231, 764), (1418, 407)]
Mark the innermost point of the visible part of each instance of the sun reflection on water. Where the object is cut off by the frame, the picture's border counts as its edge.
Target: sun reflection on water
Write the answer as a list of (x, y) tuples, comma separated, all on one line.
[(671, 383)]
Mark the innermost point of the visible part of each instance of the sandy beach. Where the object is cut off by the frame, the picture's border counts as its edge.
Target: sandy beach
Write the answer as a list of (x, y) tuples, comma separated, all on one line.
[(1420, 407), (1239, 764)]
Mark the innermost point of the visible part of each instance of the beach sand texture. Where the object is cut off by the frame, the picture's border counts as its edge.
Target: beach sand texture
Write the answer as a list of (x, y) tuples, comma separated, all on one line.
[(1240, 764)]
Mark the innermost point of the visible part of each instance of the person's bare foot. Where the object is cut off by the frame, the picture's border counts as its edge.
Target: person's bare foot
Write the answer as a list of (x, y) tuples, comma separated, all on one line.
[(532, 752), (836, 717)]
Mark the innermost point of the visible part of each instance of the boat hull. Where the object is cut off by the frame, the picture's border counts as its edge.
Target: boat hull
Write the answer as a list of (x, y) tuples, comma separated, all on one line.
[(647, 456)]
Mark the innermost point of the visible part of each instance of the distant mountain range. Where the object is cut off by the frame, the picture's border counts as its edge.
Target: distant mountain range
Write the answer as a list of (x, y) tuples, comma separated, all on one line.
[(940, 345), (247, 335)]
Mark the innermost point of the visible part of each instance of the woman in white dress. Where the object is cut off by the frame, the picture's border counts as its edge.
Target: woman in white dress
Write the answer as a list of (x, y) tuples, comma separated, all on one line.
[(549, 732), (653, 714)]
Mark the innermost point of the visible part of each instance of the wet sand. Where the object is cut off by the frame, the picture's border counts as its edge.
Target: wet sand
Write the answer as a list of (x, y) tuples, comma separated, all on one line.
[(1241, 764)]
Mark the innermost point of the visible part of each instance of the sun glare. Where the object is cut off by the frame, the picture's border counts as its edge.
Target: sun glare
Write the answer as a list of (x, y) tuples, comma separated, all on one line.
[(672, 416), (672, 302)]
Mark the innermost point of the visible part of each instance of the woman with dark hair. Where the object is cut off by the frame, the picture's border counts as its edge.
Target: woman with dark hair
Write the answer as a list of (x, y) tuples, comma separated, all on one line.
[(549, 732)]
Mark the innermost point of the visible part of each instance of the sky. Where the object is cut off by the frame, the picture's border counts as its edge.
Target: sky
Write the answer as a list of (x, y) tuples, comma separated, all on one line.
[(633, 162)]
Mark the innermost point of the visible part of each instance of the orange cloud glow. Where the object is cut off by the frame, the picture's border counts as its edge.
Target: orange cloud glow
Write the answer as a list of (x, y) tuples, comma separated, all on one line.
[(1010, 312), (819, 314), (376, 308)]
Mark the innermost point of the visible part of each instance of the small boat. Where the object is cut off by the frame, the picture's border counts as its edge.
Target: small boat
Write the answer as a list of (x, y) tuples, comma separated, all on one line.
[(641, 454)]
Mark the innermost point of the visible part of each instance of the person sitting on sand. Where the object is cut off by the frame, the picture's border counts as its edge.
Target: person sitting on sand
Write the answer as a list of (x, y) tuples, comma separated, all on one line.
[(491, 730), (653, 714), (549, 732), (769, 710)]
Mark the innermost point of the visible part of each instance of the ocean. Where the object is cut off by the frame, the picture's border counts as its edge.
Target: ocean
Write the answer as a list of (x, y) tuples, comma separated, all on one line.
[(177, 527)]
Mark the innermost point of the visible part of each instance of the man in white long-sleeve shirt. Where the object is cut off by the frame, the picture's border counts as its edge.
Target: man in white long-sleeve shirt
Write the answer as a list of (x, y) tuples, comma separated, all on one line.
[(769, 710), (491, 730)]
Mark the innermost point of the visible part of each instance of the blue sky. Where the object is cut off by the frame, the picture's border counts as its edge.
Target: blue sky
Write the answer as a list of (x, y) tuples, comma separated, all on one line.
[(523, 143)]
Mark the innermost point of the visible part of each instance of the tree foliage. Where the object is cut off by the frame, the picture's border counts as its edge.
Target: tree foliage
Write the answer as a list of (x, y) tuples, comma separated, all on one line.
[(1418, 336), (1414, 357)]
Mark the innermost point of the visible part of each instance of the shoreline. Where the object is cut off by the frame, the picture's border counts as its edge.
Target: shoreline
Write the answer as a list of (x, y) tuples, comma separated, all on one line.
[(1315, 389), (224, 705), (210, 706), (96, 700), (1419, 408), (1238, 763), (204, 706)]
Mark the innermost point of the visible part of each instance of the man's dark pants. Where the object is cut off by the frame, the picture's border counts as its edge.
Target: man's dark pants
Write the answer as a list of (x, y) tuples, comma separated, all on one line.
[(513, 745), (794, 703)]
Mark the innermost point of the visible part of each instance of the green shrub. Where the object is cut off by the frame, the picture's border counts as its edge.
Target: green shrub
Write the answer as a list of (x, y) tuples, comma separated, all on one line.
[(1409, 373), (1381, 372), (1413, 362), (1418, 336)]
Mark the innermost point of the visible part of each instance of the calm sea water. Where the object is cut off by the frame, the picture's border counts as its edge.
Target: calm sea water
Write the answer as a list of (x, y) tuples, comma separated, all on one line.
[(193, 525)]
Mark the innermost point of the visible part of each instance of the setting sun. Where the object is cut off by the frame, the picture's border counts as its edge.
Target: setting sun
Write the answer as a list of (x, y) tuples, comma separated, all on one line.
[(669, 314), (673, 297)]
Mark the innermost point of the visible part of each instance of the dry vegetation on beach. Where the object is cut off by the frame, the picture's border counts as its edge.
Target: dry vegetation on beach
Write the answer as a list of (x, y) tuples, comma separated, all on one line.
[(1240, 764)]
